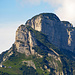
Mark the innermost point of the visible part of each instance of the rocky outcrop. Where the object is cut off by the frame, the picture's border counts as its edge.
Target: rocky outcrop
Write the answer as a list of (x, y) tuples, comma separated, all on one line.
[(71, 35), (7, 55), (55, 29), (24, 41), (37, 42), (30, 63), (59, 33), (67, 24)]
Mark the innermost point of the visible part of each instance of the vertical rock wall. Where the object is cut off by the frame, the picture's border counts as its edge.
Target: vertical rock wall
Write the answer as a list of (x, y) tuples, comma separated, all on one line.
[(24, 41), (55, 29)]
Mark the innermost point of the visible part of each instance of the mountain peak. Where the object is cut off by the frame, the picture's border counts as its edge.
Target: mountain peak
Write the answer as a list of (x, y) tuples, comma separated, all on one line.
[(50, 16), (43, 46)]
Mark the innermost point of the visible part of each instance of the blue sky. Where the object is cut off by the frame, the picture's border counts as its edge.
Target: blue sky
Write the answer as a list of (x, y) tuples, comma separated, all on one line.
[(13, 13)]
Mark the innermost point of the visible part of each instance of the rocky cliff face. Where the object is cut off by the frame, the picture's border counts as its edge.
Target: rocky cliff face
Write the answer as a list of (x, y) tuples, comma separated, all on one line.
[(71, 35), (60, 33), (56, 30), (25, 40), (45, 44)]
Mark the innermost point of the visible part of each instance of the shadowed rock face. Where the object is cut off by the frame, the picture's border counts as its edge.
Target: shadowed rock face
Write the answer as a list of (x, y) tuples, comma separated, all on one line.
[(56, 30)]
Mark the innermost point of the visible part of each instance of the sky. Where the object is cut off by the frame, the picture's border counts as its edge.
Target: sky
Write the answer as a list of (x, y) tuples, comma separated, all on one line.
[(13, 13)]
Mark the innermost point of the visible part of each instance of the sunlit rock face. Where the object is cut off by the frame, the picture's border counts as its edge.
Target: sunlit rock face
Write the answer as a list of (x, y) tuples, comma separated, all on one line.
[(35, 23), (59, 33), (56, 30), (24, 41), (43, 43)]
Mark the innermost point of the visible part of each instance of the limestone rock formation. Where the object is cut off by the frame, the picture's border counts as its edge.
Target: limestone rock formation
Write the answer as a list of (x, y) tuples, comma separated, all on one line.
[(25, 41), (56, 30), (60, 33), (45, 45)]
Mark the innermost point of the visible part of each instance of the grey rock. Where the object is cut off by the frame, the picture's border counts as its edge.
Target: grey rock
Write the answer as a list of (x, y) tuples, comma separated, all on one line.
[(56, 30)]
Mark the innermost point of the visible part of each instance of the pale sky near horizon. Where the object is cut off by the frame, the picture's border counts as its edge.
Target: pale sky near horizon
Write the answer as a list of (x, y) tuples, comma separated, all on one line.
[(13, 13)]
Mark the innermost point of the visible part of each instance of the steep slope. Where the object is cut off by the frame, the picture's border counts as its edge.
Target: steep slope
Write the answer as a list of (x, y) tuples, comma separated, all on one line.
[(44, 59), (35, 51), (56, 30)]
